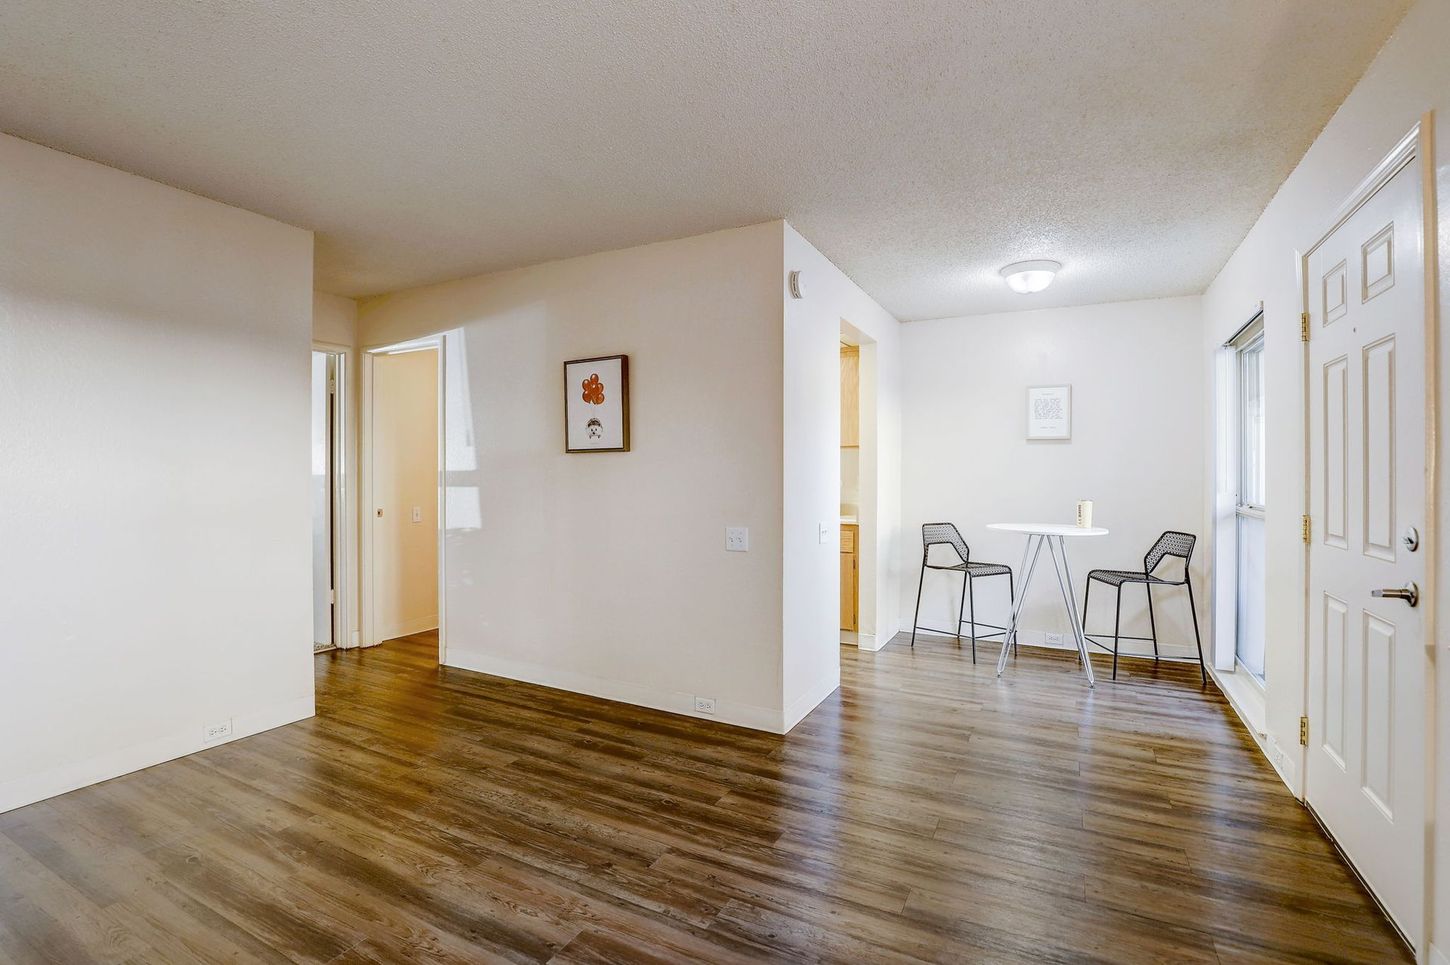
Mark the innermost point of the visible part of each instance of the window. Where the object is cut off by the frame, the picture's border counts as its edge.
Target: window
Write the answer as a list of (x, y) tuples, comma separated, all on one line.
[(1250, 500), (1251, 422)]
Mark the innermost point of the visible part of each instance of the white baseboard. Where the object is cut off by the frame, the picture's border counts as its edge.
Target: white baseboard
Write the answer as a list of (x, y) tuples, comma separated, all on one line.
[(1126, 648), (811, 699), (863, 641), (409, 627), (1027, 637), (93, 770), (726, 711)]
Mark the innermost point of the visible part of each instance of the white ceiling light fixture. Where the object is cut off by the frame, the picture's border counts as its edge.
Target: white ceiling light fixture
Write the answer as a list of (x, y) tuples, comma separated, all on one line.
[(1026, 277)]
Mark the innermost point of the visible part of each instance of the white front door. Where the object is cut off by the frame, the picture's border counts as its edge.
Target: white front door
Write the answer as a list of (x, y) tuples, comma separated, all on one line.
[(1367, 660)]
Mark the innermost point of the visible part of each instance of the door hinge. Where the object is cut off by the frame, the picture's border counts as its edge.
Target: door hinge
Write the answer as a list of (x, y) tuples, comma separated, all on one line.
[(1303, 326), (1307, 528), (1303, 731)]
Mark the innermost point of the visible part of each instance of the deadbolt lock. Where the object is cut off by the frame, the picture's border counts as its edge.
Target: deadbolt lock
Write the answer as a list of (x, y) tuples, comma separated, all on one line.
[(1411, 539)]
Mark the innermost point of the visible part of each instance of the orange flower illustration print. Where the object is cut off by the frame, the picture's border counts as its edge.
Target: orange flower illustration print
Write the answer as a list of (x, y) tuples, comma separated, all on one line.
[(593, 390)]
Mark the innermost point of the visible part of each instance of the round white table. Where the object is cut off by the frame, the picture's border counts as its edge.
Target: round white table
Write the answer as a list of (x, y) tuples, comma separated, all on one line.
[(1055, 537)]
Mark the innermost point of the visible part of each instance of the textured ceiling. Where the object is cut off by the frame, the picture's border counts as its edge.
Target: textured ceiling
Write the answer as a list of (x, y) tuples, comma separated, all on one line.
[(920, 145)]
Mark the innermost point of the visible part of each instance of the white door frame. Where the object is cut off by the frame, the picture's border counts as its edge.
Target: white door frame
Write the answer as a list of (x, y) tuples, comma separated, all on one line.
[(365, 469), (1415, 146), (345, 512)]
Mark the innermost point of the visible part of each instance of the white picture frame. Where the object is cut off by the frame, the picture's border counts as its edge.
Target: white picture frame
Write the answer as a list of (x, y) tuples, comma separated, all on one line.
[(1049, 412)]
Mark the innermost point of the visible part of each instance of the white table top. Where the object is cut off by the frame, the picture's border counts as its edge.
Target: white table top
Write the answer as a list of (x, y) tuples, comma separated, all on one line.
[(1049, 529)]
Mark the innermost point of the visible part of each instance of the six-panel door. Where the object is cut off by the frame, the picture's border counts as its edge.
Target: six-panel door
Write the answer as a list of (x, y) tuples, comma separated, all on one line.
[(1364, 770)]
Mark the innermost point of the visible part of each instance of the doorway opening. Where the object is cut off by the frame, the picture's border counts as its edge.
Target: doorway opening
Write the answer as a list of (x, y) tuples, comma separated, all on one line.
[(850, 491), (859, 492), (328, 523), (402, 579)]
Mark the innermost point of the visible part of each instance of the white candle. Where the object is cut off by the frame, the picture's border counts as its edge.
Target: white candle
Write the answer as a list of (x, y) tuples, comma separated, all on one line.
[(1085, 514)]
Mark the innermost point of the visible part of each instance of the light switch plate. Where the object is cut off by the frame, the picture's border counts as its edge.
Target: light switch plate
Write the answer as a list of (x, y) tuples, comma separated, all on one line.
[(417, 514), (737, 539), (824, 536)]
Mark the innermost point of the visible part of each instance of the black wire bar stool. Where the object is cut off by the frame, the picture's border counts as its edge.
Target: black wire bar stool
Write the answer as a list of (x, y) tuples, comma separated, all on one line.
[(1171, 543), (945, 534)]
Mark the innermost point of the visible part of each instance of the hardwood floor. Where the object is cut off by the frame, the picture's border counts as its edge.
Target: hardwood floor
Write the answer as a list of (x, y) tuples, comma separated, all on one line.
[(927, 811)]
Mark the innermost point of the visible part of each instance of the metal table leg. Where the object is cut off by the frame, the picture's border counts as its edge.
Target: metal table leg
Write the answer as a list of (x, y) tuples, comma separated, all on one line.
[(1011, 634), (1064, 582)]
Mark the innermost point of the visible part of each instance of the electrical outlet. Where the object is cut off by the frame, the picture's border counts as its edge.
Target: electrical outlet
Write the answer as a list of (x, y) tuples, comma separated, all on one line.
[(215, 732), (1282, 759), (737, 539), (705, 705), (1054, 639)]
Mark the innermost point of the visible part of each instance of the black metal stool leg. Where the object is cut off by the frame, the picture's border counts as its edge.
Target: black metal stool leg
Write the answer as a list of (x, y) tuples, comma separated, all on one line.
[(1117, 626), (1152, 624), (1087, 592), (972, 602), (1193, 611), (916, 616)]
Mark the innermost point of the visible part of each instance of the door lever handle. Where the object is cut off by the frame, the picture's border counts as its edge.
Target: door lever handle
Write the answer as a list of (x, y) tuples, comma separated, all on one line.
[(1410, 594)]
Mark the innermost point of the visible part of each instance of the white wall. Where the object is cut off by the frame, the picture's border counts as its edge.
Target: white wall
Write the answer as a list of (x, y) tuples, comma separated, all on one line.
[(1137, 451), (404, 459), (334, 320), (1410, 76), (154, 511), (606, 573), (812, 472)]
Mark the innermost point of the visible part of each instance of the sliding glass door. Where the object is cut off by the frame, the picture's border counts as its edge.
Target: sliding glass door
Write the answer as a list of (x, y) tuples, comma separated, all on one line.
[(1249, 511)]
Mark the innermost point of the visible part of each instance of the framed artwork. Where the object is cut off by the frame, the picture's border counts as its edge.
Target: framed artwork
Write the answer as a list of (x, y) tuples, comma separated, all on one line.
[(596, 404), (1049, 412)]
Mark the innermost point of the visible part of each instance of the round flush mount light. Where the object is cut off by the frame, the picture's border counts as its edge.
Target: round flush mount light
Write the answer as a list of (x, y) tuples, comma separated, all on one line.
[(1026, 277)]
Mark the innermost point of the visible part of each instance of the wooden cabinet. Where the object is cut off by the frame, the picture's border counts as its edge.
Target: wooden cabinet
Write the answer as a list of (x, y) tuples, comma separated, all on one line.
[(850, 396), (850, 581)]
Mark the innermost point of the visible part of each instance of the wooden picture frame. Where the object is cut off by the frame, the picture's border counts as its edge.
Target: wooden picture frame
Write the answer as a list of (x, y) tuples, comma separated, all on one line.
[(596, 404)]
